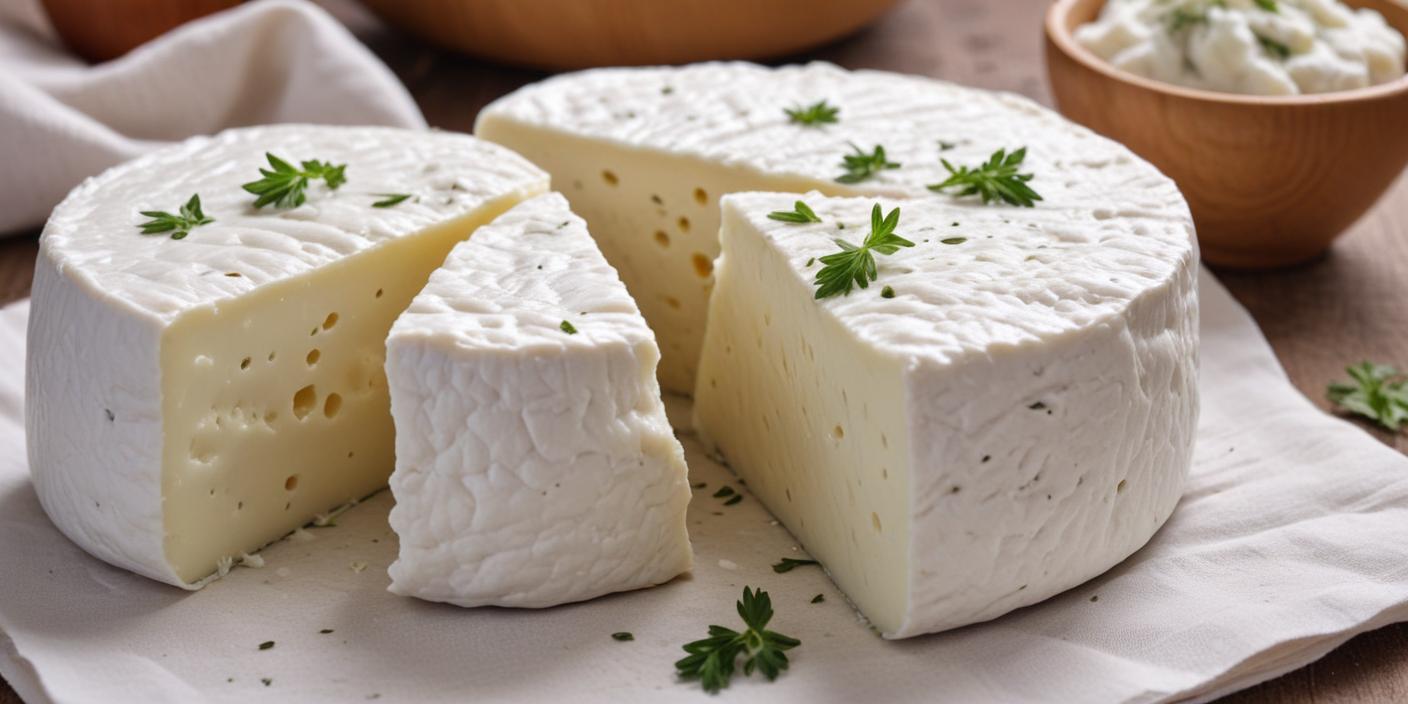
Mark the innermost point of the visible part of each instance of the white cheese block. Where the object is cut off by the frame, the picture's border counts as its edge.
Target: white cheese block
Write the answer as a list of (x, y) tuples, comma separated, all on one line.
[(1012, 417), (645, 153), (534, 462), (191, 400)]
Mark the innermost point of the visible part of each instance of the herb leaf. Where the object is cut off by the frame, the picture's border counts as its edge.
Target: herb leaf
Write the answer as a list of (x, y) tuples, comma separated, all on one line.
[(623, 636), (189, 217), (818, 598), (568, 328), (283, 184), (997, 179), (1268, 5), (390, 199), (787, 564), (712, 660), (856, 265), (1376, 391), (800, 213), (817, 113), (861, 166), (1274, 48)]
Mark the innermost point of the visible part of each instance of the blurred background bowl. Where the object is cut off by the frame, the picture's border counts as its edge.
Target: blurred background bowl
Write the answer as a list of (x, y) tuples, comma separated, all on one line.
[(571, 34), (1271, 181), (99, 31)]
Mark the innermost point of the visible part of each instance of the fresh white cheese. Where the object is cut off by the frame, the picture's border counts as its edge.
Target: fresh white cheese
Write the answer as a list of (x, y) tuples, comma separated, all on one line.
[(189, 401), (1271, 47), (1011, 417), (534, 462), (644, 155)]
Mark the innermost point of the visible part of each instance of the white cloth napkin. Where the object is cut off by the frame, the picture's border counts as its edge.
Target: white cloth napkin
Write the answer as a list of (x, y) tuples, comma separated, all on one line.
[(62, 120), (1293, 536)]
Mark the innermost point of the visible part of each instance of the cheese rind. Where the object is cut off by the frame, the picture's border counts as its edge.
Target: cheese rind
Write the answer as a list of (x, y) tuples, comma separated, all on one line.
[(1015, 419), (192, 400), (644, 154), (534, 462)]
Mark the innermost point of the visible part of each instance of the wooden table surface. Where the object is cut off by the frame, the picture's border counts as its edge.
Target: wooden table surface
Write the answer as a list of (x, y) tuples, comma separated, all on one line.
[(1350, 305)]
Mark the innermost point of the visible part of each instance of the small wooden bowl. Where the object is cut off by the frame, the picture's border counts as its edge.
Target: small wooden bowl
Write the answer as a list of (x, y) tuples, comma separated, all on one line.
[(1271, 181), (571, 34), (99, 31)]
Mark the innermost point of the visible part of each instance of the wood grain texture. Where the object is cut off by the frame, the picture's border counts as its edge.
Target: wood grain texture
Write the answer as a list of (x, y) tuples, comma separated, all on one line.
[(563, 34), (1319, 316), (1265, 177)]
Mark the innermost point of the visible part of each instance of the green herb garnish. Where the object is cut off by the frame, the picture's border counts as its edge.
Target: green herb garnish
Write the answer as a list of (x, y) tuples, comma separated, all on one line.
[(390, 199), (800, 213), (1182, 18), (568, 328), (283, 185), (856, 265), (953, 240), (266, 645), (712, 660), (997, 179), (1268, 5), (189, 217), (817, 113), (787, 564), (1274, 48), (623, 636), (818, 598), (887, 292), (861, 166), (945, 146), (1376, 391)]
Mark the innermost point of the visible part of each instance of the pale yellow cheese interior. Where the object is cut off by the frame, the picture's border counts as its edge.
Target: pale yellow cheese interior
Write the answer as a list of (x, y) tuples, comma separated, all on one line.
[(275, 404)]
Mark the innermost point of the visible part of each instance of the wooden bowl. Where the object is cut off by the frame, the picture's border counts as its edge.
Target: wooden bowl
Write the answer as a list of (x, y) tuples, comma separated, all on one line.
[(106, 29), (1272, 181), (570, 34)]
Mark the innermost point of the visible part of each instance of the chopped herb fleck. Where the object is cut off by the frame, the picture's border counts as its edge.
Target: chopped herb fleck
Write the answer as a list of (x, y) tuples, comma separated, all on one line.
[(954, 240), (724, 491), (568, 328), (811, 261), (887, 292), (1268, 5), (800, 213), (189, 217), (818, 598), (266, 645), (389, 200), (787, 564), (266, 680), (667, 90), (1274, 48), (325, 631), (1037, 406), (736, 498), (699, 485), (945, 146), (861, 166), (817, 113), (623, 636)]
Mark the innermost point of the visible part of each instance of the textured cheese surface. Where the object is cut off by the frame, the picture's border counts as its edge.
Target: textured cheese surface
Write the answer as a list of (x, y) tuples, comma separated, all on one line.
[(645, 153), (534, 466), (192, 400), (1015, 419)]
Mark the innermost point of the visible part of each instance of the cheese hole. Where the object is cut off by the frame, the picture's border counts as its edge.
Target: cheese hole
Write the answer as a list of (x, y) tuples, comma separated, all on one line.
[(838, 432), (661, 238), (273, 355), (202, 451), (884, 441), (244, 363), (380, 292), (270, 417), (330, 321), (875, 521), (313, 356), (672, 302), (684, 224), (239, 506), (609, 177), (701, 196), (304, 400), (291, 483), (233, 274), (332, 405), (1119, 488), (703, 266)]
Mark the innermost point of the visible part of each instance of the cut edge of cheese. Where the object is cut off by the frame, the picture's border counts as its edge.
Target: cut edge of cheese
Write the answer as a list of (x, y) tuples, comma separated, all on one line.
[(534, 462), (173, 438)]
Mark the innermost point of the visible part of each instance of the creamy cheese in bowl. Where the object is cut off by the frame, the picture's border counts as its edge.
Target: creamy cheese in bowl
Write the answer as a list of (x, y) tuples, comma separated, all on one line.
[(1255, 47)]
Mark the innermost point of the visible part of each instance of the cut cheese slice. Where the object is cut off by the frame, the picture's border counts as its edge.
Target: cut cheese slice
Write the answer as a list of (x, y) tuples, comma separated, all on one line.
[(534, 462), (645, 153), (1006, 412), (191, 400)]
